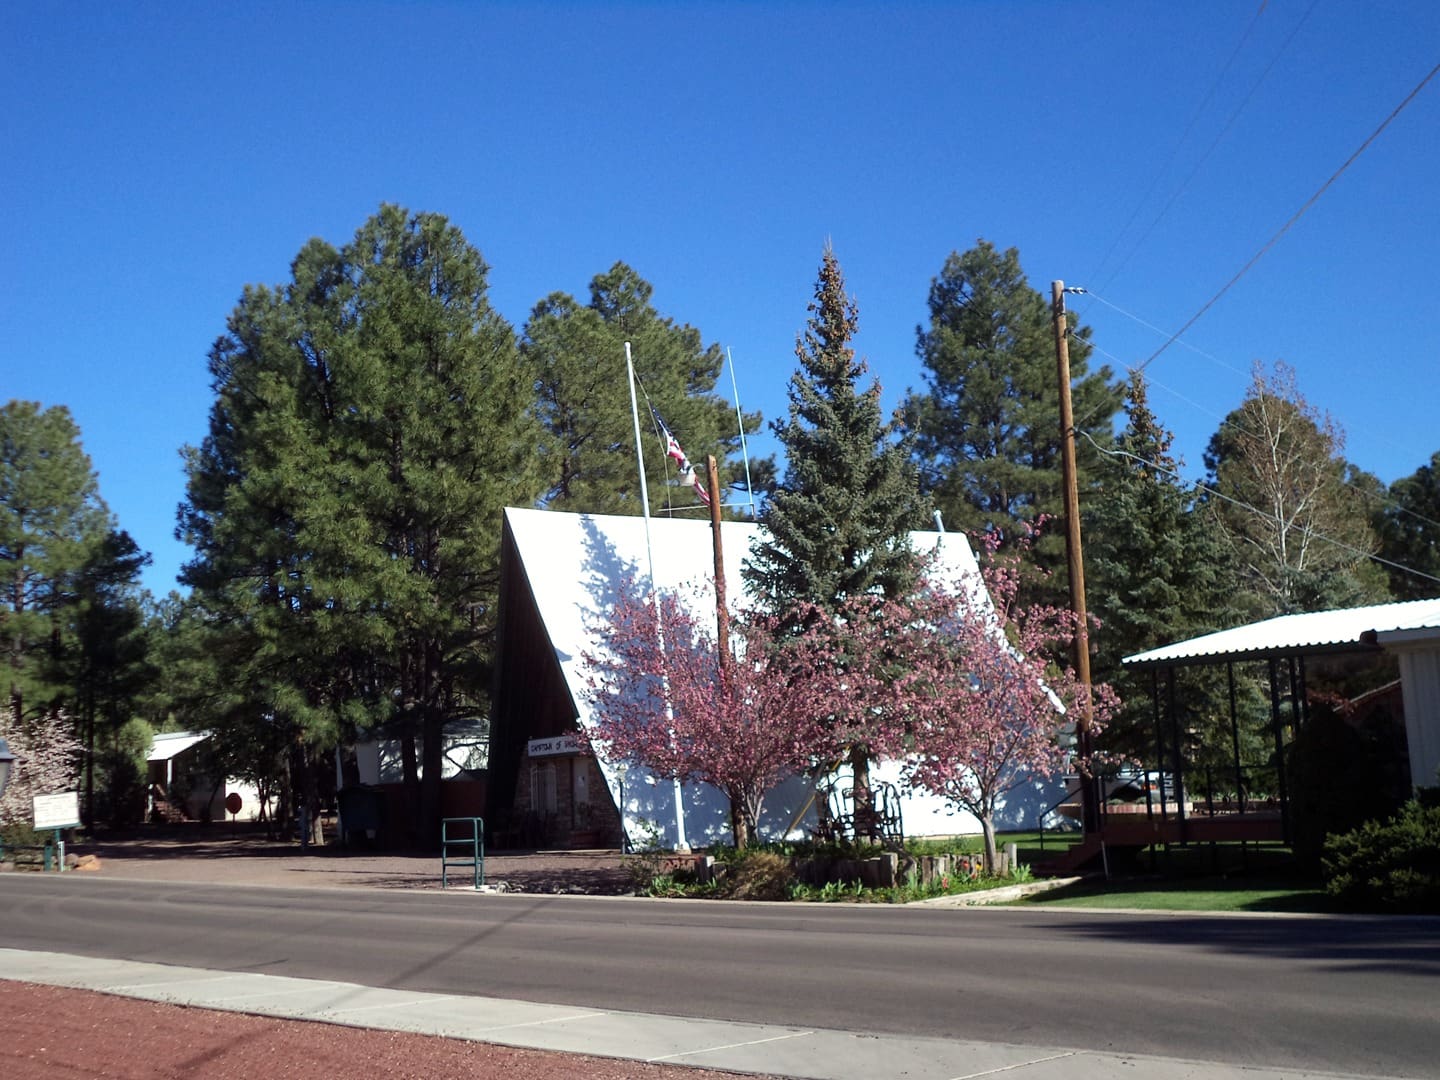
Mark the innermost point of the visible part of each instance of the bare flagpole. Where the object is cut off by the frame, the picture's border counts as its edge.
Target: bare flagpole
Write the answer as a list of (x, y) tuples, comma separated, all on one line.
[(740, 423), (680, 842)]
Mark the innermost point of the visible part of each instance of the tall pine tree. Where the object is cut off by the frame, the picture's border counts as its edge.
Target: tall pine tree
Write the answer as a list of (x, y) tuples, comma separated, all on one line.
[(1409, 530), (372, 419), (576, 355), (69, 617), (987, 428), (51, 521)]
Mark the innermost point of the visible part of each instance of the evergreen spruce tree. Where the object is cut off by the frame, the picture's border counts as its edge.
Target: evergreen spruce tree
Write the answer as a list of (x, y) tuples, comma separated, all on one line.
[(987, 429), (576, 355), (1154, 573), (839, 522), (52, 521), (1409, 529)]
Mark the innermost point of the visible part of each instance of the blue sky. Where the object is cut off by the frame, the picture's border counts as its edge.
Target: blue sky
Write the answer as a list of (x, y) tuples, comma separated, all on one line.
[(155, 158)]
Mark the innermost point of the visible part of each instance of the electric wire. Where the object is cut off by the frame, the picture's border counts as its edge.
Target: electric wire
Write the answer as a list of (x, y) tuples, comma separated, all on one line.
[(1164, 333), (1218, 362), (1304, 529), (1175, 151), (1265, 248), (1225, 422), (1224, 130)]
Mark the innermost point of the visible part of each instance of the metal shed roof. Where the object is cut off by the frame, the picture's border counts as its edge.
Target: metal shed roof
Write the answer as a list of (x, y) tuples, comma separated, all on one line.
[(1348, 630), (164, 747)]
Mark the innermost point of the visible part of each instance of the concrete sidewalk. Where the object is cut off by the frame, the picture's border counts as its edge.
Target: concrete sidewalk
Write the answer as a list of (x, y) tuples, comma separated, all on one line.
[(792, 1052)]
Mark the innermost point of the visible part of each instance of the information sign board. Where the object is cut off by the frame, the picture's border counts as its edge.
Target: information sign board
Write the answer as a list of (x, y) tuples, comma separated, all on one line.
[(61, 811)]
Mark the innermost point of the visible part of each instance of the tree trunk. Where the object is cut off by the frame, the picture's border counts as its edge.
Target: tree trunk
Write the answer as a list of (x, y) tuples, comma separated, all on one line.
[(432, 746), (432, 765), (866, 827), (410, 774), (743, 818), (316, 826), (992, 854), (349, 766), (285, 799), (90, 764)]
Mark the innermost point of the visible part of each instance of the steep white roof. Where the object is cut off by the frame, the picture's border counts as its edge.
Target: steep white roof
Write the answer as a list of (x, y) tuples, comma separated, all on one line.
[(557, 548), (1317, 631)]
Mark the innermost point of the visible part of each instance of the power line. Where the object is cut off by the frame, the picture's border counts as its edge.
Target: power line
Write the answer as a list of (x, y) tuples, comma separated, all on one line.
[(1189, 127), (1226, 422), (1304, 529), (1224, 130), (1295, 217), (1217, 361), (1151, 326)]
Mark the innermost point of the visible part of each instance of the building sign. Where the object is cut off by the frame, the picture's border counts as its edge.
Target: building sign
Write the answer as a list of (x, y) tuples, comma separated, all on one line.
[(553, 746), (60, 811)]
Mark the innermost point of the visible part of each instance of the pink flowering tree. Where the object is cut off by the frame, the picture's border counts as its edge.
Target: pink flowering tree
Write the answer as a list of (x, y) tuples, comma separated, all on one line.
[(47, 761), (985, 697), (661, 698)]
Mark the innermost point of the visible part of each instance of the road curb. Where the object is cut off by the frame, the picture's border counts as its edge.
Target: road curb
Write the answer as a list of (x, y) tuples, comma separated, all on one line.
[(1003, 895)]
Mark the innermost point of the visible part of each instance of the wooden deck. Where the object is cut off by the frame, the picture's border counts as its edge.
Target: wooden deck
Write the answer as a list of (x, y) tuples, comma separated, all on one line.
[(1137, 830)]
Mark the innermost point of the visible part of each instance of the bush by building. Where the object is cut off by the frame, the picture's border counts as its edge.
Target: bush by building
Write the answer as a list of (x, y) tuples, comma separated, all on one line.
[(1389, 866)]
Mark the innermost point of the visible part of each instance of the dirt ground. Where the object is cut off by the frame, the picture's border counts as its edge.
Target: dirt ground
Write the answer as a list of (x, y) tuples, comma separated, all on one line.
[(242, 854), (53, 1032)]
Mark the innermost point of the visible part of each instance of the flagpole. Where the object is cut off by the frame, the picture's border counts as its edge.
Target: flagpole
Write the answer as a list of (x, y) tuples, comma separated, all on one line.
[(680, 842), (740, 423), (640, 462)]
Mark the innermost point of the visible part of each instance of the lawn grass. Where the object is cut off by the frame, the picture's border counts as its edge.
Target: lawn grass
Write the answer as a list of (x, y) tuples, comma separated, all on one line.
[(1033, 846), (1191, 894)]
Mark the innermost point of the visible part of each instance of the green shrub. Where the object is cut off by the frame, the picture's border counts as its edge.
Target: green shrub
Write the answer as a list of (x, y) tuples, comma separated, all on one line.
[(22, 834), (1388, 866)]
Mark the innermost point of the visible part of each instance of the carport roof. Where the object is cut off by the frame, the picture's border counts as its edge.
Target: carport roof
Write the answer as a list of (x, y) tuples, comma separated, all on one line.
[(1348, 630)]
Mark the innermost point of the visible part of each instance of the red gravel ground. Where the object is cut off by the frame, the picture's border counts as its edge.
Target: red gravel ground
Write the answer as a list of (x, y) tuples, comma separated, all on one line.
[(53, 1032)]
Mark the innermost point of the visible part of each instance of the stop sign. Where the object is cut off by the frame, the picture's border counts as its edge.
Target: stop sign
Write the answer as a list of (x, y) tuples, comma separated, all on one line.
[(233, 802)]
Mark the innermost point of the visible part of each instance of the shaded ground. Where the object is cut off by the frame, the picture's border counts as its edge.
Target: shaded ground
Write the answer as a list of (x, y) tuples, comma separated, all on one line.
[(243, 855), (54, 1032)]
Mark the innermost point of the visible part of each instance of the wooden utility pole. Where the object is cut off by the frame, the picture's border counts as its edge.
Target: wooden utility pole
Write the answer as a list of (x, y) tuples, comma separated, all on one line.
[(1075, 561), (722, 613)]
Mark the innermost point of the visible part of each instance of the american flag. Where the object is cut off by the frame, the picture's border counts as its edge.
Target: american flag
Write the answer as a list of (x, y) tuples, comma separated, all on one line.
[(674, 450)]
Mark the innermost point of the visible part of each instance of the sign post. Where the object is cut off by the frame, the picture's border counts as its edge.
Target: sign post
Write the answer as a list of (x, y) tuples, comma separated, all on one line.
[(58, 811), (233, 803)]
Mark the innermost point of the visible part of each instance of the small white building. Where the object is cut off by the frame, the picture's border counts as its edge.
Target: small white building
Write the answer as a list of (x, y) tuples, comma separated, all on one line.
[(182, 779)]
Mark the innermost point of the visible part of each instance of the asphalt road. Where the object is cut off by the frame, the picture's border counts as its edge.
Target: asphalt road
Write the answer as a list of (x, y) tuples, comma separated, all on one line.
[(1357, 995)]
